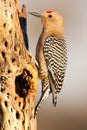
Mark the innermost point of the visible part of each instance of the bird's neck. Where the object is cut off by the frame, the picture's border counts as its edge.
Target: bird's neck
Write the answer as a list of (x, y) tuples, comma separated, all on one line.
[(56, 31)]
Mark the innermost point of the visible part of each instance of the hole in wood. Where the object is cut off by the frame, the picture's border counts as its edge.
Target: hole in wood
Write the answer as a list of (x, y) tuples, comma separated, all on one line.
[(11, 109), (2, 90), (19, 104), (17, 48), (15, 98), (15, 35), (9, 71), (13, 60), (20, 52), (23, 122), (6, 12), (4, 25), (11, 16), (3, 54), (8, 95), (6, 104), (10, 31), (22, 84), (4, 1), (3, 81), (6, 43), (8, 121), (17, 115)]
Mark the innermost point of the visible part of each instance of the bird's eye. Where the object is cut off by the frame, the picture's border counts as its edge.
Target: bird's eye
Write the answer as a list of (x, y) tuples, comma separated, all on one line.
[(50, 16)]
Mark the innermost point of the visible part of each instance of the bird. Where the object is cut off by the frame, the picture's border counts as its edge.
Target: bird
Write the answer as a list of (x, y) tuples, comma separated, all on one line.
[(51, 55)]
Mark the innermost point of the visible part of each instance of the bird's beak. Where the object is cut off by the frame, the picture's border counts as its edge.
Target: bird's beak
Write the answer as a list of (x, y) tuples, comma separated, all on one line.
[(36, 14)]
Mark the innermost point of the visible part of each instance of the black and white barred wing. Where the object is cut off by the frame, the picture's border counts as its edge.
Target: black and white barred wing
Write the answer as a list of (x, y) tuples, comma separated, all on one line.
[(55, 54)]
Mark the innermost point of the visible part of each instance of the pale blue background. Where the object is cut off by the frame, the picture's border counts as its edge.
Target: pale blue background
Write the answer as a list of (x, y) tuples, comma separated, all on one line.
[(71, 110)]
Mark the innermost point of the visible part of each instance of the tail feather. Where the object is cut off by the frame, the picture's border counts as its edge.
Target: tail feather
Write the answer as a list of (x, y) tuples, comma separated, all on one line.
[(42, 98), (54, 99)]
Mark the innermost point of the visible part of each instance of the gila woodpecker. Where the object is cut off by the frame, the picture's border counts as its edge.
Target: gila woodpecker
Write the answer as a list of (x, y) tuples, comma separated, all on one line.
[(51, 55)]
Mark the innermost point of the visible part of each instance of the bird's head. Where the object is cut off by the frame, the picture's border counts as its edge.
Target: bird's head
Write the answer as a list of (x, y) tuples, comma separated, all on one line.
[(51, 20)]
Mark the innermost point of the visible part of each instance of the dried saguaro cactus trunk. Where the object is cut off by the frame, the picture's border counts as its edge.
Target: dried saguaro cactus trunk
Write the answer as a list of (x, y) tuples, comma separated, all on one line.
[(18, 74)]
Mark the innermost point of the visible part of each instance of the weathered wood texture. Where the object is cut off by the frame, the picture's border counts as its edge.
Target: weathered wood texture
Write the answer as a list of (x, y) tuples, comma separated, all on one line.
[(18, 74)]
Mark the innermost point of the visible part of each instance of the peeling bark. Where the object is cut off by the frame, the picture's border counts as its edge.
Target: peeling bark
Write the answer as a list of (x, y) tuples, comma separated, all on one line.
[(18, 74)]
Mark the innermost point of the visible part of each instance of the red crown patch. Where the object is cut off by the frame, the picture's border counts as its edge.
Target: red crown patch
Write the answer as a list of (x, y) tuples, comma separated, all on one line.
[(49, 11)]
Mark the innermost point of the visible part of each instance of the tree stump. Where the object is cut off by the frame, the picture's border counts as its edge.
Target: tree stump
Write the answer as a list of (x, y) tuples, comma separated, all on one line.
[(18, 74)]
